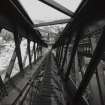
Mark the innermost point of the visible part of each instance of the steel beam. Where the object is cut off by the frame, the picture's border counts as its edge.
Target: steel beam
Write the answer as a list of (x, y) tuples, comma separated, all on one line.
[(57, 50), (61, 55), (18, 51), (25, 57), (58, 7), (29, 53), (99, 76), (64, 59), (22, 10), (3, 90), (60, 48), (43, 30), (75, 45), (26, 18), (34, 50), (11, 65), (62, 21), (97, 55), (58, 55)]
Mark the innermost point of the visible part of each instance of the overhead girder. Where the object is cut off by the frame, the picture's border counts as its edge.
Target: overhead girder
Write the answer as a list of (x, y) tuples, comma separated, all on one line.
[(45, 31), (18, 5), (84, 16), (13, 19), (10, 10), (62, 21), (58, 7), (12, 14)]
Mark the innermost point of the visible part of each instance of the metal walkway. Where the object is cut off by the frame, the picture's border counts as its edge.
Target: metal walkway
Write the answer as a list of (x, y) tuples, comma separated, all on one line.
[(72, 72), (16, 85), (45, 85)]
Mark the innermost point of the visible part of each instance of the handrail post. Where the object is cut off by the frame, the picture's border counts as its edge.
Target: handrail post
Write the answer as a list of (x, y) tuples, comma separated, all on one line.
[(18, 51), (29, 53)]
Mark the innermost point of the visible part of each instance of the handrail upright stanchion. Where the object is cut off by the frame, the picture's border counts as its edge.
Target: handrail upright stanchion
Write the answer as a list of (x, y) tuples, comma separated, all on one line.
[(18, 51)]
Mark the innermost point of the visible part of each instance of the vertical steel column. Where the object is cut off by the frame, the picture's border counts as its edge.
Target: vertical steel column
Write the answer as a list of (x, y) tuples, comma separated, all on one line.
[(29, 53), (37, 49), (18, 51), (64, 59), (57, 50), (58, 56), (80, 64), (40, 50), (61, 56), (25, 57), (60, 51), (75, 45), (34, 49), (77, 69)]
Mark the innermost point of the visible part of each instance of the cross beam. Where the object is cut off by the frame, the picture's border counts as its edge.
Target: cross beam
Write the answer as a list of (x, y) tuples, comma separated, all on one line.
[(45, 31), (62, 21), (20, 11), (58, 7)]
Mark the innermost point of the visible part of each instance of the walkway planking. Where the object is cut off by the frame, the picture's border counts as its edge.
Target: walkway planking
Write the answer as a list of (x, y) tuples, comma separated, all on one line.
[(48, 87), (17, 83)]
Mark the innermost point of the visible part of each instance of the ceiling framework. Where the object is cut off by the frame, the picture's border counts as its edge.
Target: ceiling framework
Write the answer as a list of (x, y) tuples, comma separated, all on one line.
[(58, 7), (62, 21), (90, 13), (21, 9), (14, 18), (46, 31)]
